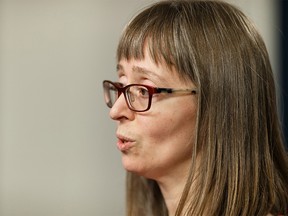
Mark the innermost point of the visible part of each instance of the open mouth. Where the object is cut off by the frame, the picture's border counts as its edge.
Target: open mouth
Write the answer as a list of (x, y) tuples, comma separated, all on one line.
[(124, 143)]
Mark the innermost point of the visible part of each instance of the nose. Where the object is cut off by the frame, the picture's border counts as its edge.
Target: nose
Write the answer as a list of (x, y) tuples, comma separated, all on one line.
[(120, 110)]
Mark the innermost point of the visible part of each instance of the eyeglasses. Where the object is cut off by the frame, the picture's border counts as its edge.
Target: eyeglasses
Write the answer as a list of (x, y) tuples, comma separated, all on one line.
[(137, 96)]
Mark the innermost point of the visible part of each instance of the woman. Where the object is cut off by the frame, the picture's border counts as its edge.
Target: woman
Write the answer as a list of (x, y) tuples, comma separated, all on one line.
[(196, 112)]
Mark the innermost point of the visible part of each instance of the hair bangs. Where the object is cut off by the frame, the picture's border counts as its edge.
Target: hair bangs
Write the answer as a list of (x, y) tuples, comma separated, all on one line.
[(147, 31)]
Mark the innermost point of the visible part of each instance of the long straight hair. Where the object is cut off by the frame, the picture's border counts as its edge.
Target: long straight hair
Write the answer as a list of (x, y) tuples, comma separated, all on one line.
[(243, 168)]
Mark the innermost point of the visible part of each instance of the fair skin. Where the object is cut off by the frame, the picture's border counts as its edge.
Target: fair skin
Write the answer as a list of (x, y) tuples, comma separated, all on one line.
[(157, 144)]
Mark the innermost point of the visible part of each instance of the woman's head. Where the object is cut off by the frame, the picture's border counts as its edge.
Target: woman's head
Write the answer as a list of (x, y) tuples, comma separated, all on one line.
[(214, 47)]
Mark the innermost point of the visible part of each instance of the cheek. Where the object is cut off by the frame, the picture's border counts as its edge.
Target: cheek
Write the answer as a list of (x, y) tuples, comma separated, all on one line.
[(170, 127), (158, 123)]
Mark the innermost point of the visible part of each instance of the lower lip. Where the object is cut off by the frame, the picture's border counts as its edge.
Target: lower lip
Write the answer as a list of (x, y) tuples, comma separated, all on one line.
[(124, 146)]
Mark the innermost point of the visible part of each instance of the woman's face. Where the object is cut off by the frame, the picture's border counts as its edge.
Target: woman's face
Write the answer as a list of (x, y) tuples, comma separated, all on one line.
[(158, 142)]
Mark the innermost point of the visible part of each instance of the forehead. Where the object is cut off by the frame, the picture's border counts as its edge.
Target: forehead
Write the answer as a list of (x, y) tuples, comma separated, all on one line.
[(145, 70)]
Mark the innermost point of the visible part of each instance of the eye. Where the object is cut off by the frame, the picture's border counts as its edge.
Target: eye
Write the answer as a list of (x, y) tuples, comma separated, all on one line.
[(142, 91)]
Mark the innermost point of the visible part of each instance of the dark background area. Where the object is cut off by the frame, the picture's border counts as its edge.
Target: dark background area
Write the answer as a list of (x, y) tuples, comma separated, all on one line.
[(284, 66)]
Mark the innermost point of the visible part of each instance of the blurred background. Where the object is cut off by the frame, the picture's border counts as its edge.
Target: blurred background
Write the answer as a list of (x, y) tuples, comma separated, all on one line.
[(58, 155)]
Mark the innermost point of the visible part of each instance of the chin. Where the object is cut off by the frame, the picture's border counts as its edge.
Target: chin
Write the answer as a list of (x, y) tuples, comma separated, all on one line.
[(132, 165), (139, 170)]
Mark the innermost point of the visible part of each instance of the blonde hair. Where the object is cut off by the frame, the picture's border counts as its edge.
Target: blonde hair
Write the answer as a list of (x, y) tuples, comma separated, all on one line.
[(243, 165)]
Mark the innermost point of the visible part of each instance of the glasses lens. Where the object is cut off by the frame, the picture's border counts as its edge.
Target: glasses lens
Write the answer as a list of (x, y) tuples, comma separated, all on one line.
[(138, 97), (110, 94)]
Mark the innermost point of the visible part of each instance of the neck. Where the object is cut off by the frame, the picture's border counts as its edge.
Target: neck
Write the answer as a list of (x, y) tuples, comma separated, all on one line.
[(172, 194), (172, 188)]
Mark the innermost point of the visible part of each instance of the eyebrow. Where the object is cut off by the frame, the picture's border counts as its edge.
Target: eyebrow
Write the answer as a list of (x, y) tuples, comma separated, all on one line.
[(141, 71), (119, 67)]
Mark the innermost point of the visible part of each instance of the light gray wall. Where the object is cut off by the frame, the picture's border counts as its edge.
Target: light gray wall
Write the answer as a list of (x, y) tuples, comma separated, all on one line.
[(57, 144)]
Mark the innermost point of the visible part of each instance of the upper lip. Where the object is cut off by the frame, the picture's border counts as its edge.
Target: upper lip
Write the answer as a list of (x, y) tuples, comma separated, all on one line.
[(124, 138)]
